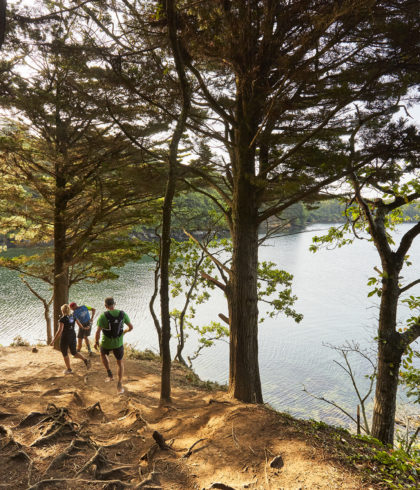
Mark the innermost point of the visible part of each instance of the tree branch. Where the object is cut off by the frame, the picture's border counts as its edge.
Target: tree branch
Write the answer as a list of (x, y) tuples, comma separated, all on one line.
[(211, 256), (214, 281), (410, 335), (409, 286)]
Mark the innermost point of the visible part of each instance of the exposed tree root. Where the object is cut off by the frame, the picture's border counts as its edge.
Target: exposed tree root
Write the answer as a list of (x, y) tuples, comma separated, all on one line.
[(7, 439), (160, 441), (67, 453), (132, 408), (63, 429), (98, 459), (117, 472), (190, 450), (22, 455), (4, 415), (149, 454), (95, 410), (221, 486), (114, 484), (77, 399), (31, 419), (151, 481)]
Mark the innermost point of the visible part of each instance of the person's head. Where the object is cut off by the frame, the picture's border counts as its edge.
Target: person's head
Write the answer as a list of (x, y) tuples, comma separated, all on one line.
[(109, 303), (65, 310), (73, 305)]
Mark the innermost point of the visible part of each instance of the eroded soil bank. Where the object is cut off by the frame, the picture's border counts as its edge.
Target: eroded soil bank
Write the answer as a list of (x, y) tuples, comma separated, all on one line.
[(75, 432)]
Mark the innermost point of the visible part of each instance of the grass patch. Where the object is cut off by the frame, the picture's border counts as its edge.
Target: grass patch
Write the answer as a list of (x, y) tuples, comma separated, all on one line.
[(18, 341), (193, 380), (146, 355)]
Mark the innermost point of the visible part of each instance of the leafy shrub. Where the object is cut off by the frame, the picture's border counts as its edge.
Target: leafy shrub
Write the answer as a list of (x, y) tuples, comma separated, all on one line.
[(18, 341)]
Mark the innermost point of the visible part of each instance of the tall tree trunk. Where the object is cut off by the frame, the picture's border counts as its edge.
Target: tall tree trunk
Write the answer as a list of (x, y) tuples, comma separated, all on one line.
[(390, 352), (244, 376), (61, 282), (165, 392)]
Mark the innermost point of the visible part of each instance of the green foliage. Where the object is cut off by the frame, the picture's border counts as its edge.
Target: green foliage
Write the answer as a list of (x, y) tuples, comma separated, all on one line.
[(194, 211), (275, 290), (336, 237), (189, 267), (397, 468), (410, 375)]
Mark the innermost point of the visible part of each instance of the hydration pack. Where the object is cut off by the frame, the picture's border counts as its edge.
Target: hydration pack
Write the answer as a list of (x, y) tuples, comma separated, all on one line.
[(115, 325)]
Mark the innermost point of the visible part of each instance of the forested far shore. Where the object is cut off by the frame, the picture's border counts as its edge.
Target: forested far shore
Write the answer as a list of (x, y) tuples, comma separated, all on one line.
[(195, 212)]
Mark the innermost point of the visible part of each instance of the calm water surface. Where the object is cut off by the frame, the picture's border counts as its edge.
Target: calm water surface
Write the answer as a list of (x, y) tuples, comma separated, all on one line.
[(332, 292)]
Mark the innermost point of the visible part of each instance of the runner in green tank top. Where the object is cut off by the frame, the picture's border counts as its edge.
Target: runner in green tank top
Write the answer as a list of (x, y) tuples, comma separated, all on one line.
[(111, 325)]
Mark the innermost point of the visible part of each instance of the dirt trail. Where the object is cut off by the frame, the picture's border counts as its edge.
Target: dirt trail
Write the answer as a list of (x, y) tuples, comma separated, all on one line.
[(81, 434)]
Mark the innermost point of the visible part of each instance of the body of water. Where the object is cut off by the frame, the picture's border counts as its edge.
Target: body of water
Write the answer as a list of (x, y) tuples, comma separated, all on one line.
[(332, 291)]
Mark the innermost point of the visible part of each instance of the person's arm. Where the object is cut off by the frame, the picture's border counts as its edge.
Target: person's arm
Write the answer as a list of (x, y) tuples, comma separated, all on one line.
[(92, 311), (97, 336), (59, 332), (130, 327), (80, 325)]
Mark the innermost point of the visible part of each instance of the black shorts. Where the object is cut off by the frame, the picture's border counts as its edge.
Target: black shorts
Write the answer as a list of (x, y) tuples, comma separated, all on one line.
[(68, 341), (82, 333), (118, 352)]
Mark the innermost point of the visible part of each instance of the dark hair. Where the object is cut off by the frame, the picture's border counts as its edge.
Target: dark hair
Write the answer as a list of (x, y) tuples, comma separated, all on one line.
[(109, 301)]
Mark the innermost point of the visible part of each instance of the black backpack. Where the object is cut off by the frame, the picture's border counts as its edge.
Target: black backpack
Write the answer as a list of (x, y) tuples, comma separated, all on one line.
[(115, 325)]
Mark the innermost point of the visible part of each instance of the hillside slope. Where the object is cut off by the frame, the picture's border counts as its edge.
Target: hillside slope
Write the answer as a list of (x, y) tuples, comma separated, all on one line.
[(76, 432)]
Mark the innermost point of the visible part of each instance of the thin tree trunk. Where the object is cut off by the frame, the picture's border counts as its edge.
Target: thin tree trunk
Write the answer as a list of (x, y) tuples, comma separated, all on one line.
[(46, 309), (390, 352), (165, 393), (152, 305), (48, 322), (165, 389)]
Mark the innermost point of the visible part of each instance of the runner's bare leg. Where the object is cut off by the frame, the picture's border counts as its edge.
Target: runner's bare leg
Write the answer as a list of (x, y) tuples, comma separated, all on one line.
[(120, 372)]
